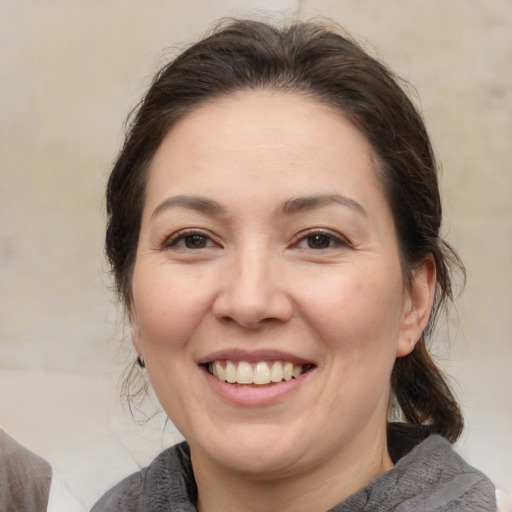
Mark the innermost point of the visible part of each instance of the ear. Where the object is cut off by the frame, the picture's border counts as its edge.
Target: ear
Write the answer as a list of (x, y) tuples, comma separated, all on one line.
[(418, 306), (135, 330)]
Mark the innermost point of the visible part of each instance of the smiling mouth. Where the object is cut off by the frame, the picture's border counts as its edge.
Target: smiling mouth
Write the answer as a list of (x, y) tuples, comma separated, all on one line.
[(260, 373)]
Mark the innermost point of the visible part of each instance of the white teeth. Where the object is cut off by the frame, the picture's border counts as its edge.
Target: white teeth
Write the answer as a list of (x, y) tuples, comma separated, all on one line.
[(230, 372), (219, 371), (261, 374), (276, 374), (244, 373), (287, 371)]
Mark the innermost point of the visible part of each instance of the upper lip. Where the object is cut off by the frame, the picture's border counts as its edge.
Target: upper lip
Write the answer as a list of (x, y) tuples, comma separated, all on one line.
[(253, 356)]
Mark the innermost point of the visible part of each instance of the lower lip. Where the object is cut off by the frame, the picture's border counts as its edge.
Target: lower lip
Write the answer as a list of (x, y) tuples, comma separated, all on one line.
[(253, 395)]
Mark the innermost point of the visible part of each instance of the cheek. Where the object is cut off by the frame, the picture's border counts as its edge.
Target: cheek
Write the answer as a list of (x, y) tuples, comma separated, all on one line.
[(169, 310), (361, 302), (356, 310), (169, 307)]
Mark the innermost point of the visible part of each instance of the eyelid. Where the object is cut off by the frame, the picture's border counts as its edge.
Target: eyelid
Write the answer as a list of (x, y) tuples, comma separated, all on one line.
[(339, 239), (171, 240)]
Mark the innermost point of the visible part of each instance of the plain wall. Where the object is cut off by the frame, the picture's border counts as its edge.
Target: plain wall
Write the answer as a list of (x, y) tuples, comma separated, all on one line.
[(69, 74)]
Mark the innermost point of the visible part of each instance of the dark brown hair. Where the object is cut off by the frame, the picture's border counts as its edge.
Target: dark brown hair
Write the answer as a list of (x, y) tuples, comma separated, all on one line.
[(318, 61)]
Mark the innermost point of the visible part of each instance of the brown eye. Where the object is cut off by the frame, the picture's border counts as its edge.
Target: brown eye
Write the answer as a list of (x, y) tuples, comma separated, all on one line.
[(319, 241), (184, 240), (195, 241)]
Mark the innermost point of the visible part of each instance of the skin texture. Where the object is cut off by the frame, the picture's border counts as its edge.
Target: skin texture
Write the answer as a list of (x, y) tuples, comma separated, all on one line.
[(319, 280)]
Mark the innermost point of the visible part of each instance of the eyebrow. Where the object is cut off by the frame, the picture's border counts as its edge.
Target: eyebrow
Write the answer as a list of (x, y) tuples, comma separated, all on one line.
[(295, 205), (192, 202), (289, 207)]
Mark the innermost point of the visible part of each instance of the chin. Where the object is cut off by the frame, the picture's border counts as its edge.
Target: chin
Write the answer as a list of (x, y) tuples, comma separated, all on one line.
[(261, 466), (259, 453)]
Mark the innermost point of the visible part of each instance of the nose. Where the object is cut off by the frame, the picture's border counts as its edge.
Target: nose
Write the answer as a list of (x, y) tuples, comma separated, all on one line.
[(253, 293)]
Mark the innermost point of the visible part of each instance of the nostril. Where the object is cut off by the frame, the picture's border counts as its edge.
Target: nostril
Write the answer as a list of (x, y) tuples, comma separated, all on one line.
[(253, 310)]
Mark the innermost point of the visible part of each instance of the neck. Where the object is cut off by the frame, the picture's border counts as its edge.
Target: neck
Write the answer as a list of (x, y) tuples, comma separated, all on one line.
[(316, 489)]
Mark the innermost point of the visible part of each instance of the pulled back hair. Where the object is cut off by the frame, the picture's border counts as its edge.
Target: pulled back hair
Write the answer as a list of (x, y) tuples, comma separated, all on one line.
[(317, 61)]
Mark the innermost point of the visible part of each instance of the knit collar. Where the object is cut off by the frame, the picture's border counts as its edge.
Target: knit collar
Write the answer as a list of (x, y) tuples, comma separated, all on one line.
[(428, 475)]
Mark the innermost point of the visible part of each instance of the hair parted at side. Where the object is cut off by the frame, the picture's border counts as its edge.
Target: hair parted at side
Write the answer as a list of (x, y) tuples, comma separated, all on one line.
[(319, 61)]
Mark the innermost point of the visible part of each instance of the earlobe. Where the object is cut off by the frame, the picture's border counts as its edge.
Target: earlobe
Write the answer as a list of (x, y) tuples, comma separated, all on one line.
[(418, 306)]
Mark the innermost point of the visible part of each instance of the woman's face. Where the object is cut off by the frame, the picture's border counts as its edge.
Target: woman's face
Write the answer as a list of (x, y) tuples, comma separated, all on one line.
[(268, 297)]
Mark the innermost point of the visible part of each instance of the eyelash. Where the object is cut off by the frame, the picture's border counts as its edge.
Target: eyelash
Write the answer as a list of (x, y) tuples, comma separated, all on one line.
[(334, 240), (181, 236)]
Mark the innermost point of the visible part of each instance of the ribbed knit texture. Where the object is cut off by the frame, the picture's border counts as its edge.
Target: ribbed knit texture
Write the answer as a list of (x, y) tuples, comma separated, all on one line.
[(25, 478)]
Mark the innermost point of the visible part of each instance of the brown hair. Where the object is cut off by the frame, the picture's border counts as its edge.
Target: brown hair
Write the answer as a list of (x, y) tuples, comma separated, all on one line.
[(318, 61)]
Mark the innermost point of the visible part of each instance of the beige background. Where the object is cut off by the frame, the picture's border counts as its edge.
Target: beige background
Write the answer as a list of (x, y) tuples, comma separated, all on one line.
[(69, 73)]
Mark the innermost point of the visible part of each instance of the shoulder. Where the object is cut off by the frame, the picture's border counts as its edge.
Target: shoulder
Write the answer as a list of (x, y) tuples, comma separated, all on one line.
[(166, 484), (444, 480), (428, 476), (24, 477), (127, 495)]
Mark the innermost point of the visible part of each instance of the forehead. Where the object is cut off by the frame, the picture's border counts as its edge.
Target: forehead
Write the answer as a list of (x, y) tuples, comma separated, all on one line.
[(255, 118), (260, 134)]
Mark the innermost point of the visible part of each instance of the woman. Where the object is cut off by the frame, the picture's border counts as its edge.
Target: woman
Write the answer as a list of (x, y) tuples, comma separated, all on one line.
[(273, 230)]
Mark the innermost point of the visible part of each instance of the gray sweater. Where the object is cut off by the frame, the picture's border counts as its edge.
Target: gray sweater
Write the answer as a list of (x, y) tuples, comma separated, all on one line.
[(428, 476), (24, 478)]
